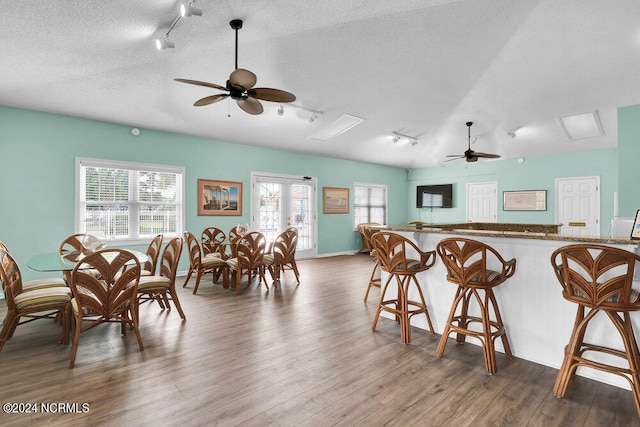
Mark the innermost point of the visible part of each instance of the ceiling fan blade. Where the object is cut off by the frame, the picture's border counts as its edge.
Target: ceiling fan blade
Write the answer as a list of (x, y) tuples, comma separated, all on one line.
[(486, 155), (199, 83), (273, 95), (210, 99), (244, 78), (251, 106), (457, 156)]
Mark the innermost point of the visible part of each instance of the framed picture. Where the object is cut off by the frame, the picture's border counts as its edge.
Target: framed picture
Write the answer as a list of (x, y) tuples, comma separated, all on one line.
[(529, 200), (219, 197), (635, 231), (335, 200)]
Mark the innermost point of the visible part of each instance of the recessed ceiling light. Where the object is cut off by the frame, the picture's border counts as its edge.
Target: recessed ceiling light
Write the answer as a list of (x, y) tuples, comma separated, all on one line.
[(581, 126), (341, 125)]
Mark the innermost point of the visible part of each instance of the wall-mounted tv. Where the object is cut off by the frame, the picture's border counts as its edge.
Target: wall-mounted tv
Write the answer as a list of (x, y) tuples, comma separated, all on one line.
[(434, 196)]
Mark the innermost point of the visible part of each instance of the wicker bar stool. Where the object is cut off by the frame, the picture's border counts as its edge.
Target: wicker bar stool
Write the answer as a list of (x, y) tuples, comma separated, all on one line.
[(466, 263), (599, 279), (391, 250), (374, 279)]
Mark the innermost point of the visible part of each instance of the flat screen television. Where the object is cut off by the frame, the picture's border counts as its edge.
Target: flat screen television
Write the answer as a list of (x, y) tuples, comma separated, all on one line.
[(434, 196)]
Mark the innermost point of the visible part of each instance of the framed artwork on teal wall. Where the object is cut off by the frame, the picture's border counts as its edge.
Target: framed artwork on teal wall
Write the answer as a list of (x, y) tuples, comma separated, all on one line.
[(335, 200), (219, 197)]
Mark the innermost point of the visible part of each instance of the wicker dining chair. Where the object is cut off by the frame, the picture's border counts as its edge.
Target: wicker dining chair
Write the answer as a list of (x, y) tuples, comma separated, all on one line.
[(212, 240), (283, 255), (249, 259), (51, 300), (153, 252), (109, 297), (161, 287), (201, 265)]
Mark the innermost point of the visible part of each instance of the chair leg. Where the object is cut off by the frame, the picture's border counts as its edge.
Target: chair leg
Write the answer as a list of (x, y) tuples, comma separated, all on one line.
[(460, 295), (463, 319), (134, 320), (198, 277), (188, 277), (380, 304), (294, 267), (573, 348), (503, 336), (176, 302), (8, 325), (373, 281), (77, 327)]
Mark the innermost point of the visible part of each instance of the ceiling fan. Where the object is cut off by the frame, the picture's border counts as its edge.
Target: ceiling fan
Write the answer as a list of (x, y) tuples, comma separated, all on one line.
[(240, 87), (470, 155)]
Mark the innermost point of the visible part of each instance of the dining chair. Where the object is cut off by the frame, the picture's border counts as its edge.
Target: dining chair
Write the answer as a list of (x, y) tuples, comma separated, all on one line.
[(212, 240), (162, 286), (45, 302), (283, 255), (110, 297), (249, 259), (80, 243), (153, 252), (201, 265)]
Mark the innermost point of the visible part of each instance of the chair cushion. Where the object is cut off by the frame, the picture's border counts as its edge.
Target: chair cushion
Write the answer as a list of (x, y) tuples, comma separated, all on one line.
[(43, 283), (152, 282), (635, 296), (42, 297), (232, 262), (412, 264), (210, 261), (491, 276), (211, 255), (268, 259)]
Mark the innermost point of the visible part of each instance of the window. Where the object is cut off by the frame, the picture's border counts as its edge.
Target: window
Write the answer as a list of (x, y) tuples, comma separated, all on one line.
[(370, 203), (126, 201)]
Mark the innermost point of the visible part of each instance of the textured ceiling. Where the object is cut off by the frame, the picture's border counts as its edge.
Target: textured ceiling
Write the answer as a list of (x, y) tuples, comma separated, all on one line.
[(418, 67)]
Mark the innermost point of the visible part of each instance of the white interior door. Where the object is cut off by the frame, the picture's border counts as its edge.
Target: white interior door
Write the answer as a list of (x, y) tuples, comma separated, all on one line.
[(578, 205), (279, 202), (482, 202)]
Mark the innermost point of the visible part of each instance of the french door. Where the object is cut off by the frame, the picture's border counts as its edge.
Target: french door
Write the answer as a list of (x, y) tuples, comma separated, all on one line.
[(282, 201)]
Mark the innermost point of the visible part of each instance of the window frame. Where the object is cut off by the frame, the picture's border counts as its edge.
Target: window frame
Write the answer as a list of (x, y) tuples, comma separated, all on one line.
[(369, 186), (134, 238)]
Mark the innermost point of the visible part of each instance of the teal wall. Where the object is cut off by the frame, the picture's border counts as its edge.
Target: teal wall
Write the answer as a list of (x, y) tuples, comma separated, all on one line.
[(628, 155), (37, 178), (536, 173)]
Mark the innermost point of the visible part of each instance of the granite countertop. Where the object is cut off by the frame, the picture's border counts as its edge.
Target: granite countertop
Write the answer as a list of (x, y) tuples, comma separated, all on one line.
[(518, 231)]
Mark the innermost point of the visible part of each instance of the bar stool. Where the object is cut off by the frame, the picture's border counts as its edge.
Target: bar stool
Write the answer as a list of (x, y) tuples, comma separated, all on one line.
[(466, 262), (599, 279), (391, 250)]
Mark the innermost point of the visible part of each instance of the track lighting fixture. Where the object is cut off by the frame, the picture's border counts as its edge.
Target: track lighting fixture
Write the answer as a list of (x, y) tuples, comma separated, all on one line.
[(189, 9), (312, 118), (186, 9), (397, 136), (164, 43)]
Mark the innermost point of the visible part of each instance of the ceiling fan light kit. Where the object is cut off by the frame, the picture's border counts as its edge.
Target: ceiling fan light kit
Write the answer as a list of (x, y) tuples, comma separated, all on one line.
[(471, 156), (240, 87)]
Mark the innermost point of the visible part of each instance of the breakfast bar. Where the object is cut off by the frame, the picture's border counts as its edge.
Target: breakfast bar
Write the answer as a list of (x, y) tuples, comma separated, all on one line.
[(538, 320)]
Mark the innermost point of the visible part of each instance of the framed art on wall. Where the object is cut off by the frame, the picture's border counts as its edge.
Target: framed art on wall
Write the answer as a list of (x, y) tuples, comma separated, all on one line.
[(335, 200), (528, 200), (219, 197)]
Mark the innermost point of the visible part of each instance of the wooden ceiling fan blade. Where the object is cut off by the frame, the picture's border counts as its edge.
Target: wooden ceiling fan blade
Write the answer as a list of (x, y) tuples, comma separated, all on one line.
[(244, 78), (273, 95), (200, 83), (210, 99), (251, 106), (486, 155), (457, 156)]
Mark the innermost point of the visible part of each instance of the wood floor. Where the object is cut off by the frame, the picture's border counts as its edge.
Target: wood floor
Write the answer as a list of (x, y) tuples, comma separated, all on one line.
[(294, 356)]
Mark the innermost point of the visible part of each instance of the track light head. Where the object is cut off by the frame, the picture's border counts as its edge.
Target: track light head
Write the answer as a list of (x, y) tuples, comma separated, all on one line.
[(313, 118), (280, 110), (164, 43), (189, 9), (396, 138)]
